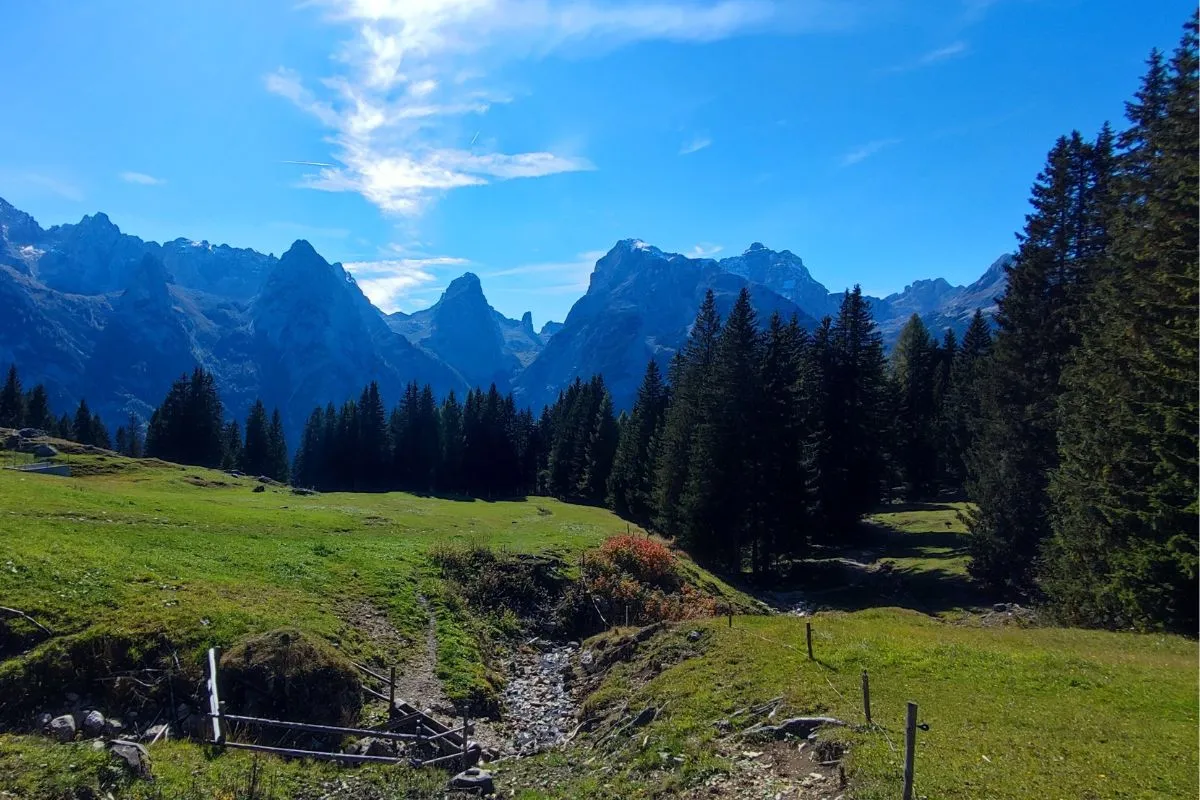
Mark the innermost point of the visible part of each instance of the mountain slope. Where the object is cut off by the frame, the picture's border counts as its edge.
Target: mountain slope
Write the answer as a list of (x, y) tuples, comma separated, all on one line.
[(639, 304)]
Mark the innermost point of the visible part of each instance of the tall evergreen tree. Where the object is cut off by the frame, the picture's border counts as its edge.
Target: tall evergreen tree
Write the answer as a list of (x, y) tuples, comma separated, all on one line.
[(37, 409), (374, 447), (961, 408), (81, 428), (1038, 320), (12, 401), (99, 433), (308, 467), (688, 376), (1123, 551), (256, 449), (134, 440), (631, 481), (277, 449), (915, 365), (450, 419), (600, 451), (231, 445)]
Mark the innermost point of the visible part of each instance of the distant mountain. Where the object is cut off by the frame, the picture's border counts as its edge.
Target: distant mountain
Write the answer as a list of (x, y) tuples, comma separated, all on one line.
[(93, 312), (461, 329), (639, 304)]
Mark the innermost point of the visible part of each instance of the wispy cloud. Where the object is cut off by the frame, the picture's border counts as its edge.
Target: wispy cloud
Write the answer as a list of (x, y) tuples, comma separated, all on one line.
[(704, 250), (694, 145), (141, 178), (560, 277), (62, 188), (389, 283), (412, 70), (936, 56), (867, 150)]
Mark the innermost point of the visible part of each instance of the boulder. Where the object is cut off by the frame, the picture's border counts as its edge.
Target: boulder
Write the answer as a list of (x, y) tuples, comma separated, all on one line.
[(474, 780), (132, 757), (260, 488), (372, 746), (30, 433), (93, 723), (62, 728), (44, 450), (645, 717), (113, 728), (155, 732)]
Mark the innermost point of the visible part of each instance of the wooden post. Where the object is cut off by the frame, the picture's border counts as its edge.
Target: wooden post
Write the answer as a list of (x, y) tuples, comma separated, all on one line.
[(627, 615), (729, 610), (808, 638), (866, 697), (466, 724), (392, 692), (910, 744), (214, 699)]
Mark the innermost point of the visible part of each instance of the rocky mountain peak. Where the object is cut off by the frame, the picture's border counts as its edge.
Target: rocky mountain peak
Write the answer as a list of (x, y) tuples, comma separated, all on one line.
[(527, 323), (464, 286)]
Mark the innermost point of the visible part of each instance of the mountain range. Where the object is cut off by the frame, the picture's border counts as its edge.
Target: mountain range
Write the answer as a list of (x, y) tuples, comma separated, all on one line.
[(93, 312)]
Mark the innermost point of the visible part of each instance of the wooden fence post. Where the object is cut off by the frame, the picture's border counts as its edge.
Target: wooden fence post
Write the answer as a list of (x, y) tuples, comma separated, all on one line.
[(866, 697), (910, 744), (808, 638), (392, 692), (466, 724)]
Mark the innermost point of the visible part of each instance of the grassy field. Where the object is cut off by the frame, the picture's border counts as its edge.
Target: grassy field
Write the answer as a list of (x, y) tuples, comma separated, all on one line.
[(150, 555)]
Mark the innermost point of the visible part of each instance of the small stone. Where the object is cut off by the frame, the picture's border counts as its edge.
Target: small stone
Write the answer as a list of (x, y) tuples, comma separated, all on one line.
[(694, 636), (474, 780), (154, 732), (63, 728), (645, 717), (1000, 607), (43, 721)]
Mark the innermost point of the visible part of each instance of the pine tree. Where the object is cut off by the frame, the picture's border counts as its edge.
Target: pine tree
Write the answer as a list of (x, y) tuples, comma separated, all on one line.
[(81, 428), (1015, 448), (64, 428), (134, 441), (307, 468), (99, 433), (12, 401), (630, 484), (256, 449), (854, 422), (688, 375), (121, 440), (374, 449), (719, 493), (277, 449), (915, 364), (450, 471), (600, 452), (231, 445), (961, 409), (37, 409), (1123, 551)]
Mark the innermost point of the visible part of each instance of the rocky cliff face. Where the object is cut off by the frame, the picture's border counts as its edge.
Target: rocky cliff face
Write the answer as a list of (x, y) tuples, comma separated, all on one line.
[(639, 304)]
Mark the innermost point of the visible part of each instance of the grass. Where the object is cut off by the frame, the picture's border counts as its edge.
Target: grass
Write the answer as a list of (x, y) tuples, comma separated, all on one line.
[(1012, 712), (144, 551), (132, 559)]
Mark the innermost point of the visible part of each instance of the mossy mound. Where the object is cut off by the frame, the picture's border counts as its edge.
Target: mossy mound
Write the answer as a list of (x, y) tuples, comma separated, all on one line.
[(285, 674)]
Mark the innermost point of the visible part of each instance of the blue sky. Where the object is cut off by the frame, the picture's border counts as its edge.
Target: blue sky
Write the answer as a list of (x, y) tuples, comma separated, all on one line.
[(880, 140)]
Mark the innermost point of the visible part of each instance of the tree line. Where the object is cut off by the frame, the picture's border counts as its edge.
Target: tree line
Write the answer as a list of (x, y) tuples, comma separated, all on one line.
[(1084, 470)]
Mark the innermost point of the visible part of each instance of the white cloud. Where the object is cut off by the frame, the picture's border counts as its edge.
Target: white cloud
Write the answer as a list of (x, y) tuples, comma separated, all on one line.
[(64, 189), (867, 150), (697, 144), (389, 283), (410, 69), (141, 178), (559, 277), (704, 250), (952, 50)]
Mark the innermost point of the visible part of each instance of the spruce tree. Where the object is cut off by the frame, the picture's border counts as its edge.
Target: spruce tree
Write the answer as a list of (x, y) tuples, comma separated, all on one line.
[(277, 449), (1015, 448), (256, 449), (961, 409), (134, 441), (64, 428), (81, 428), (374, 450), (630, 484), (600, 452), (689, 374), (37, 409), (306, 469), (450, 428), (1123, 551), (99, 433), (915, 365), (231, 445), (12, 401)]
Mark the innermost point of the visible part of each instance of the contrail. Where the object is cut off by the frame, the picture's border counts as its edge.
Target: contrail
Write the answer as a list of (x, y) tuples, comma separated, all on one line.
[(309, 163), (473, 138)]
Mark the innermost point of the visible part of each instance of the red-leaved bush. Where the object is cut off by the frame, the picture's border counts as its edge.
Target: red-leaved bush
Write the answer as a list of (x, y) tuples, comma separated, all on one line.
[(637, 576)]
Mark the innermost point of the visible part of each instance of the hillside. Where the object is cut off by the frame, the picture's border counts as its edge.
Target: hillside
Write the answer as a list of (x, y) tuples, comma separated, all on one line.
[(132, 564)]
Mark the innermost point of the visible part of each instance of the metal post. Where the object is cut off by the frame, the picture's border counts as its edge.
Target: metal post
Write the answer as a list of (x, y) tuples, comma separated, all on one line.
[(910, 744), (466, 724), (214, 699), (392, 693), (808, 638), (866, 697)]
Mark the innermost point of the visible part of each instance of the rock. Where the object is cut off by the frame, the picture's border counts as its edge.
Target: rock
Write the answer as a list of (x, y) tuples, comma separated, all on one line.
[(30, 433), (478, 781), (1000, 607), (113, 728), (43, 721), (132, 756), (63, 728), (155, 732), (263, 479), (694, 636), (645, 718), (45, 450), (260, 488), (797, 726), (93, 723), (371, 746), (12, 442), (303, 492)]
